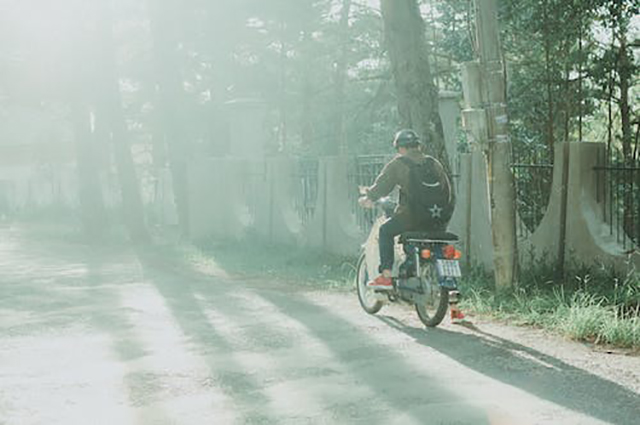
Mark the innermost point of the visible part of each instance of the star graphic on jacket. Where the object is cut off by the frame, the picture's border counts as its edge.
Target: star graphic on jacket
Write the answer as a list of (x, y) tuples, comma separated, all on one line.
[(436, 211)]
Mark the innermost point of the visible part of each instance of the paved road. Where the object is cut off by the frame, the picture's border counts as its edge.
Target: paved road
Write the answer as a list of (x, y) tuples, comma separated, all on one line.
[(111, 337)]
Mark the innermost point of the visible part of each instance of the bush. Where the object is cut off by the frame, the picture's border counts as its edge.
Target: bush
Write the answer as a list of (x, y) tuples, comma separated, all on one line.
[(597, 306)]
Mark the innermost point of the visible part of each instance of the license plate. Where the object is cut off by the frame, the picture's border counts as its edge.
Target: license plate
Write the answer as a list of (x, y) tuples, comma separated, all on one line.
[(448, 268)]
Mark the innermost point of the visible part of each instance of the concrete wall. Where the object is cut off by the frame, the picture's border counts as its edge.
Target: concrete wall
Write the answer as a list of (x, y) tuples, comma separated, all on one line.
[(36, 187), (233, 196), (472, 217), (228, 201), (218, 208), (257, 197), (586, 238), (450, 117), (275, 217), (333, 227), (581, 235)]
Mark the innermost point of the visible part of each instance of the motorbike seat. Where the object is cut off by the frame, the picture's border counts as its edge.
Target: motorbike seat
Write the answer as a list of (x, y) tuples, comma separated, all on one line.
[(433, 236)]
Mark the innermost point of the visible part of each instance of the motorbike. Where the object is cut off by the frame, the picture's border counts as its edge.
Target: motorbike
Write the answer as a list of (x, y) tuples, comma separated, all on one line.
[(425, 273)]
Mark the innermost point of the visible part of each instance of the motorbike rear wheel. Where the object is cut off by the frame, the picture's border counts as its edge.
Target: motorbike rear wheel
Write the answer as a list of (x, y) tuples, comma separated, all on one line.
[(367, 297), (434, 309)]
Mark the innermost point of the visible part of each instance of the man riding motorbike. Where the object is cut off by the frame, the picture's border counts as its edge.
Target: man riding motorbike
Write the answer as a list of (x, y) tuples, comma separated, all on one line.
[(426, 200)]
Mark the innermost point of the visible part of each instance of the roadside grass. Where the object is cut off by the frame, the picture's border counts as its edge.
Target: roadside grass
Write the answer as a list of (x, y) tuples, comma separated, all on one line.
[(597, 307), (66, 231), (63, 223), (308, 267)]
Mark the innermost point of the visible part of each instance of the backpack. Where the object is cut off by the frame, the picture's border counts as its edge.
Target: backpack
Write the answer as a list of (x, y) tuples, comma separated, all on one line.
[(429, 192)]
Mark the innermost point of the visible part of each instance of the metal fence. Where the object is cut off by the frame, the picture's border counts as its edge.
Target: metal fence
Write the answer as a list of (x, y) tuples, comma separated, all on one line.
[(305, 184), (618, 192), (533, 173), (362, 172), (254, 181)]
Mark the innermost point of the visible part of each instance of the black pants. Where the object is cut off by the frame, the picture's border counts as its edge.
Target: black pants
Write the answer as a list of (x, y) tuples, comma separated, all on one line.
[(394, 227)]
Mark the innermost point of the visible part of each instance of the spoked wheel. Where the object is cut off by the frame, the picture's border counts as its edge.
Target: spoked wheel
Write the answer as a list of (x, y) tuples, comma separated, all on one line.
[(367, 297), (433, 308)]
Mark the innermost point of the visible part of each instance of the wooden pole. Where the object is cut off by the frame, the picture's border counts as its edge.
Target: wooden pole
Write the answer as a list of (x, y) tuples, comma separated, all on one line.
[(486, 120)]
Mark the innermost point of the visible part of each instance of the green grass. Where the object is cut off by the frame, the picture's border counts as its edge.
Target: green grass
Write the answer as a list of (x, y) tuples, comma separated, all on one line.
[(302, 266), (598, 307), (70, 232)]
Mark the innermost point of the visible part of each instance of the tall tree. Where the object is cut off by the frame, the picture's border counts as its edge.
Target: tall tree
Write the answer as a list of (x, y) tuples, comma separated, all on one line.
[(339, 144), (620, 13), (92, 208), (418, 97), (617, 69), (546, 43), (61, 70), (165, 32), (111, 120)]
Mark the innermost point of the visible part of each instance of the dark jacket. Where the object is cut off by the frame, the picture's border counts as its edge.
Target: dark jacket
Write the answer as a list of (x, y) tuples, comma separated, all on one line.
[(396, 173)]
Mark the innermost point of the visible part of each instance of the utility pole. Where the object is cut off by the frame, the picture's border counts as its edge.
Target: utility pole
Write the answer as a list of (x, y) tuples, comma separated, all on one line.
[(485, 118)]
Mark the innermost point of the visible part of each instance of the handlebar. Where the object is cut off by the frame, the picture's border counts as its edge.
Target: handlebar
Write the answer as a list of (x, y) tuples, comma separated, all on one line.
[(386, 205)]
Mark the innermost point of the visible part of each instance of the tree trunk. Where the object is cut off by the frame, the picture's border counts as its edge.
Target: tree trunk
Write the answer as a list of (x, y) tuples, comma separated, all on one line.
[(610, 88), (110, 112), (418, 101), (132, 206), (306, 101), (496, 144), (339, 142), (283, 130), (221, 28), (170, 100), (93, 211), (624, 75), (547, 60), (580, 85), (567, 102)]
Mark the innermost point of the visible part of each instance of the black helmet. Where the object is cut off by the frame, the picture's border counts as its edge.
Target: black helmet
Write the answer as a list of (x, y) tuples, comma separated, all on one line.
[(406, 139)]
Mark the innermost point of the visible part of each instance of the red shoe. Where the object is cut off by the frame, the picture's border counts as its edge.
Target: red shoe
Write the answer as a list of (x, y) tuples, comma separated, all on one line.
[(381, 282), (457, 314)]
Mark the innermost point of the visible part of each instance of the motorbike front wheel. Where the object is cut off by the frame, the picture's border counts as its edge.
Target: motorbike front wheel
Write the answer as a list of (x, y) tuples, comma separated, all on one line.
[(436, 300), (367, 297)]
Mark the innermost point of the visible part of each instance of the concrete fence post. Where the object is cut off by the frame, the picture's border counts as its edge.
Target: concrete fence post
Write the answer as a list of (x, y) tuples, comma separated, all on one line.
[(275, 218), (333, 227), (573, 230), (472, 217), (218, 205), (589, 238)]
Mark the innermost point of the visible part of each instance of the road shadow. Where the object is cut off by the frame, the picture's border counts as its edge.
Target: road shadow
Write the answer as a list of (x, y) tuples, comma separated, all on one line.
[(530, 370), (177, 289), (55, 288), (370, 365), (55, 284)]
